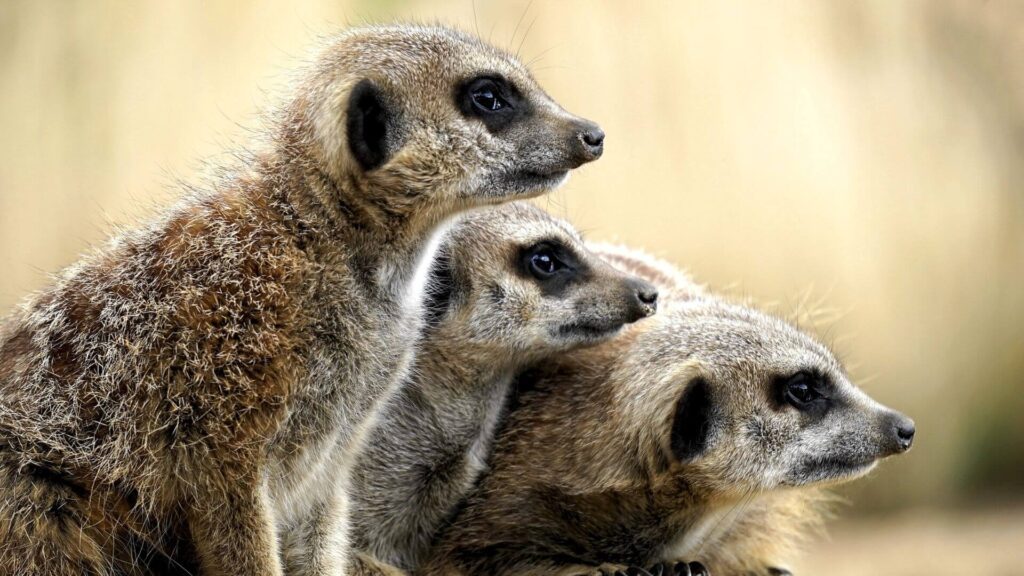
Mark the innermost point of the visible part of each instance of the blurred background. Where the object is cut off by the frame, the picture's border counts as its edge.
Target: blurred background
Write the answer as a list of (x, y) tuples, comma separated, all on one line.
[(856, 165)]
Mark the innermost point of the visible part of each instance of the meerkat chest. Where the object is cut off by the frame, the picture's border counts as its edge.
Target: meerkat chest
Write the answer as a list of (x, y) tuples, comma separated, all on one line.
[(352, 365)]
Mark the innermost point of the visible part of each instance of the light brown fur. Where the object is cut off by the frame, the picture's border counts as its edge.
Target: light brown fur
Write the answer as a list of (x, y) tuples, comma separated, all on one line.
[(195, 391)]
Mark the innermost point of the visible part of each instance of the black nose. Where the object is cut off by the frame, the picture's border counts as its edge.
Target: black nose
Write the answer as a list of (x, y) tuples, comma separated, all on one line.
[(594, 138), (643, 300), (591, 140), (903, 429), (648, 295)]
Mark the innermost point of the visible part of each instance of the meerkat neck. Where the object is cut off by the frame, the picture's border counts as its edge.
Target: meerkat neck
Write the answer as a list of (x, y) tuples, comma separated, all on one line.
[(390, 248), (459, 365)]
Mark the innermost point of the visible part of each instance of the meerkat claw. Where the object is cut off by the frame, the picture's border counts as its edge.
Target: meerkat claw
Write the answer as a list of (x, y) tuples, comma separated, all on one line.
[(698, 569), (678, 569)]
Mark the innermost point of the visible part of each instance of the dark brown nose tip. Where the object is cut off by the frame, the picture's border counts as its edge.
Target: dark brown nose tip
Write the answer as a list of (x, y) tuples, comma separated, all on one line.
[(648, 295), (644, 300), (900, 431), (905, 431), (591, 140), (594, 138)]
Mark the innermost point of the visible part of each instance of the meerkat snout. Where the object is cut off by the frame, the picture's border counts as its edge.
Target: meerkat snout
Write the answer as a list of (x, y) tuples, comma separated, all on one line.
[(591, 300), (539, 141)]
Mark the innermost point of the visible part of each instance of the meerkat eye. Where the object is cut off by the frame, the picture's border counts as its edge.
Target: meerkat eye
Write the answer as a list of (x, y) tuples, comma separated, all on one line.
[(486, 99), (543, 263), (491, 99), (800, 390), (486, 96)]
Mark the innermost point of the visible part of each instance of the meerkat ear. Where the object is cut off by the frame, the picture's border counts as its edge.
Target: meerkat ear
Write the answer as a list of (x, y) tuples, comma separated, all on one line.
[(369, 121), (692, 423)]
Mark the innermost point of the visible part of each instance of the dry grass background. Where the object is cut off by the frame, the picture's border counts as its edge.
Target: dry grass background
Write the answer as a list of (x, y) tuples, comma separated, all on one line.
[(858, 165)]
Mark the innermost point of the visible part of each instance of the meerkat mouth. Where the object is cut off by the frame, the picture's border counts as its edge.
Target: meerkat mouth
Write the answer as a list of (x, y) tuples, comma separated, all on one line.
[(555, 176), (831, 470), (589, 331), (533, 182)]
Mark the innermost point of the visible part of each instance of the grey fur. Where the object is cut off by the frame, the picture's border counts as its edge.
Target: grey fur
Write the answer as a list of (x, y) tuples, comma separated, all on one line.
[(432, 441)]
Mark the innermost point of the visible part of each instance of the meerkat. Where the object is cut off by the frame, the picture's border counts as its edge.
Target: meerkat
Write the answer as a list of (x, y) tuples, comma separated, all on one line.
[(200, 385), (510, 286), (705, 433)]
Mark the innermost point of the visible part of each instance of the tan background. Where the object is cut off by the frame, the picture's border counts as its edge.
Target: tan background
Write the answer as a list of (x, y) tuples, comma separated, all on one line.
[(859, 165)]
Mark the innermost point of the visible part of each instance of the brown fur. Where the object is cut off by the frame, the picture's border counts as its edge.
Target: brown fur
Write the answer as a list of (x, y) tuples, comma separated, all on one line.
[(586, 478), (194, 391)]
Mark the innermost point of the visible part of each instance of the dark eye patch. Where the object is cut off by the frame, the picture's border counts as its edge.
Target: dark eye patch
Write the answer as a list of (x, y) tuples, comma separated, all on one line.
[(806, 391), (552, 265), (544, 263), (493, 100), (488, 98)]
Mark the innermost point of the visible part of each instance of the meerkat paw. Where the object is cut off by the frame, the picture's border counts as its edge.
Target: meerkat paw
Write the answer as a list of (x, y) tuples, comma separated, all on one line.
[(660, 569), (680, 568)]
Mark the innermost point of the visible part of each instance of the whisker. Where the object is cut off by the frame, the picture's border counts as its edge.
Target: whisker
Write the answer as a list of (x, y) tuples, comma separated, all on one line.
[(540, 55), (518, 23), (476, 21), (525, 34)]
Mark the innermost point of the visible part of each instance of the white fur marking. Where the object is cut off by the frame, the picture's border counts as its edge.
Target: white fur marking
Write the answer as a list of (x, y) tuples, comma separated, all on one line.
[(689, 543)]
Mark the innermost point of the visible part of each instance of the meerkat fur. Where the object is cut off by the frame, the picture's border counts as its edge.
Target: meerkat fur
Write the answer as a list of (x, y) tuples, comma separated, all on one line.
[(705, 433), (197, 388), (511, 287)]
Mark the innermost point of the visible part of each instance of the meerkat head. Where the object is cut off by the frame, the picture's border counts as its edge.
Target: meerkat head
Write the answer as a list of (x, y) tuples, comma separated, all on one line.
[(513, 277), (432, 118), (754, 404)]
